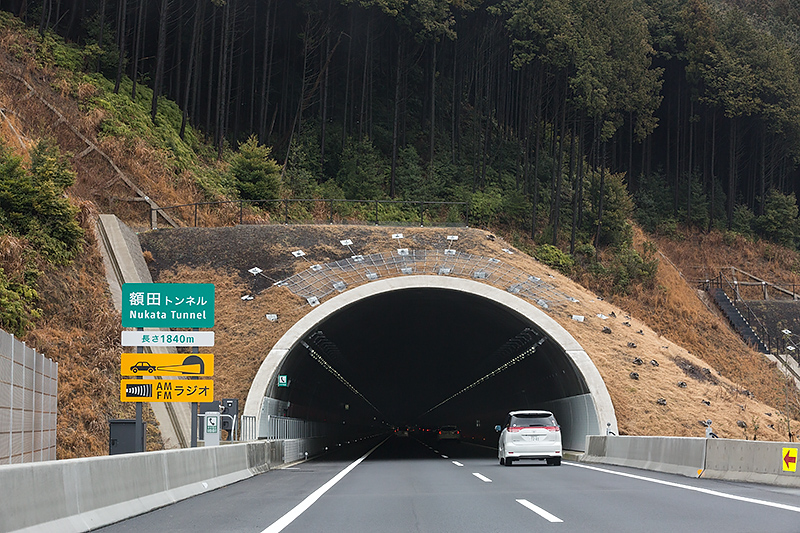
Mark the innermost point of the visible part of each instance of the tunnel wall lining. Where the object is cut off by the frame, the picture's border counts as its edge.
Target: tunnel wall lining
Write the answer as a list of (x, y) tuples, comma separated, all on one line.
[(599, 401)]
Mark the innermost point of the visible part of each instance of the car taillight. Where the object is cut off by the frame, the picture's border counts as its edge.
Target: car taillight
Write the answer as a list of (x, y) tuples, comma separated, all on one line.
[(514, 429), (553, 428)]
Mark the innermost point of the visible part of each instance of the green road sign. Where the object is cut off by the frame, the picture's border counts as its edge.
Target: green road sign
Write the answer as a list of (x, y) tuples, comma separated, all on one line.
[(283, 381), (167, 305)]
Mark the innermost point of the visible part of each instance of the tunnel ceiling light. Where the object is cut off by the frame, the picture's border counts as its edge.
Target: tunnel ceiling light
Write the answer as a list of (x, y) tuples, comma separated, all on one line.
[(255, 271), (272, 317), (490, 375), (317, 357), (397, 235), (402, 251), (298, 253), (346, 242)]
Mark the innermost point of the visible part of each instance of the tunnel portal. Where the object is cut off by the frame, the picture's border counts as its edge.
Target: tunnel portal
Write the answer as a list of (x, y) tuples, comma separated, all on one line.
[(425, 351)]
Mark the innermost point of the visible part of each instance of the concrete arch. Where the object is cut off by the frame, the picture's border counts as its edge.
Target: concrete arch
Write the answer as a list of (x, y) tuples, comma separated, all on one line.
[(583, 410)]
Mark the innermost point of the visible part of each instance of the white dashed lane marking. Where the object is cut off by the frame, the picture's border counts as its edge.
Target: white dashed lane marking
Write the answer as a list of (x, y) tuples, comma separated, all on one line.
[(541, 512)]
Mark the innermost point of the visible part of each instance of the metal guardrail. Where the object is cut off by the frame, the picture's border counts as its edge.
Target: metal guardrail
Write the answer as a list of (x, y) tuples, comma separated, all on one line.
[(281, 427), (28, 403), (316, 210)]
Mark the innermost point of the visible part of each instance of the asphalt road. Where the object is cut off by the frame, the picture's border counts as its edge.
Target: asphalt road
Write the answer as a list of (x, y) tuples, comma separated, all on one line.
[(407, 485)]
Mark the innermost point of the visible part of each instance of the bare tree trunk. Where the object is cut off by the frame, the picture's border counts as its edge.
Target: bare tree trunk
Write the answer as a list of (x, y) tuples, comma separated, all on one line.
[(731, 172), (266, 70), (121, 29), (102, 26), (433, 108), (600, 200), (713, 169), (160, 57), (210, 126), (137, 47), (396, 119), (198, 17), (222, 82)]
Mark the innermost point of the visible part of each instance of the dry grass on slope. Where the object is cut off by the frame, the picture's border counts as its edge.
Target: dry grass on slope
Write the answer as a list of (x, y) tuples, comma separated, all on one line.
[(244, 336), (81, 331)]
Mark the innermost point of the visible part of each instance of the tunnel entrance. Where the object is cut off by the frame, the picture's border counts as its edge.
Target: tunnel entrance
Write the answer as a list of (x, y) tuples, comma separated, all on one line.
[(426, 351)]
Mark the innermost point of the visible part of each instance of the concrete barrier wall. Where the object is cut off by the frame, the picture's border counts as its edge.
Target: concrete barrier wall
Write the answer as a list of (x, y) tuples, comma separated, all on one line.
[(753, 461), (676, 455), (728, 459), (82, 494)]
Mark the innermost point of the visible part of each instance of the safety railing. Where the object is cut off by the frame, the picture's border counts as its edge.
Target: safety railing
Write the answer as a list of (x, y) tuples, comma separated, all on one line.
[(281, 427), (247, 428), (318, 211), (772, 343)]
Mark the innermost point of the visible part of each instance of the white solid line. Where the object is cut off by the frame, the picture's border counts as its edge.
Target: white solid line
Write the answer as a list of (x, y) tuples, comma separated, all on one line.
[(301, 507), (457, 463), (482, 478), (541, 512), (696, 489)]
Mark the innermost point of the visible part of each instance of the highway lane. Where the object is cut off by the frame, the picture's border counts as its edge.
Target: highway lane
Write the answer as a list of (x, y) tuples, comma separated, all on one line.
[(406, 484)]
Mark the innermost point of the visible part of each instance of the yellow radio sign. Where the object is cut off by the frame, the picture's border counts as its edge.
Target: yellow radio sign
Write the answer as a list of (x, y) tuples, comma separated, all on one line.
[(167, 364), (167, 390)]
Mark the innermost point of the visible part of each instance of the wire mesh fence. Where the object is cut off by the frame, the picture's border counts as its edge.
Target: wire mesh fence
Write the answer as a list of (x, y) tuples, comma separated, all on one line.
[(28, 403), (320, 281)]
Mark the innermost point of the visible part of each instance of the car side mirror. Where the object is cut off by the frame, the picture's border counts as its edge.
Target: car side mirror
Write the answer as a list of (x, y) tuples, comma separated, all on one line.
[(498, 429)]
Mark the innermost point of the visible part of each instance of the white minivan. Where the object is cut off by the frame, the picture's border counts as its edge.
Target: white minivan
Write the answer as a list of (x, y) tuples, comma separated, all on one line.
[(529, 434)]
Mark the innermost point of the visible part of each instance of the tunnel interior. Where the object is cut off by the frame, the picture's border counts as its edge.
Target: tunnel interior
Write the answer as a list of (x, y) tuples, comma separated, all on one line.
[(424, 357)]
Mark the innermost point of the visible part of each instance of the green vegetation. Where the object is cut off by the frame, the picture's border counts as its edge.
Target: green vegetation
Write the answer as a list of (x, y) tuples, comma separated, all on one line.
[(33, 208)]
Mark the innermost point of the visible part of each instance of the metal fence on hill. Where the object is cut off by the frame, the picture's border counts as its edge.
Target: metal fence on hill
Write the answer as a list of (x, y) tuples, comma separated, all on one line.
[(28, 403)]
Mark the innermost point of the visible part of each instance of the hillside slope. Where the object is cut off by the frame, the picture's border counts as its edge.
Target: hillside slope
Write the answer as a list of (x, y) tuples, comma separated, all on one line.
[(81, 330), (740, 386)]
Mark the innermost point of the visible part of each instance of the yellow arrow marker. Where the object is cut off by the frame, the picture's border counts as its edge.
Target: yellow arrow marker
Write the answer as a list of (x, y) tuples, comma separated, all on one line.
[(167, 364), (789, 456)]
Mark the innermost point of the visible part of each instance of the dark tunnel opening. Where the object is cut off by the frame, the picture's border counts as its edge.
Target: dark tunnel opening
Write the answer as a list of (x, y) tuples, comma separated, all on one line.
[(425, 357)]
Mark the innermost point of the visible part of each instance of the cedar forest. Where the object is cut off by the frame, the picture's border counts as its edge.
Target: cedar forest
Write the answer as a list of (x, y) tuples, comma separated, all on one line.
[(559, 119)]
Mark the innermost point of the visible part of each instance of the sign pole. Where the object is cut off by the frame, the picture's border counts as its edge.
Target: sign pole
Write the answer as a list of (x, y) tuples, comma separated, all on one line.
[(139, 431), (194, 407)]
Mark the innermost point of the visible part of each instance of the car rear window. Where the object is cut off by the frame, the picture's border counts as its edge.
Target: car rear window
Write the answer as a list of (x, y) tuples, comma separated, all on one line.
[(532, 421)]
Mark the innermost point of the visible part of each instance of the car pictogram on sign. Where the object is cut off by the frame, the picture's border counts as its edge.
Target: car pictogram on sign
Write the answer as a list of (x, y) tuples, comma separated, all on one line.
[(143, 366)]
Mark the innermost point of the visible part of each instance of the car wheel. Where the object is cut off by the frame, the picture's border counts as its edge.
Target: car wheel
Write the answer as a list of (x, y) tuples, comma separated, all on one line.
[(555, 461), (509, 461), (150, 370)]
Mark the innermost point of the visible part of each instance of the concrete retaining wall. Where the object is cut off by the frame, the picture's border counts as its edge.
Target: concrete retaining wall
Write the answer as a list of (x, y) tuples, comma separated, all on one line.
[(729, 459), (82, 494)]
